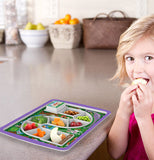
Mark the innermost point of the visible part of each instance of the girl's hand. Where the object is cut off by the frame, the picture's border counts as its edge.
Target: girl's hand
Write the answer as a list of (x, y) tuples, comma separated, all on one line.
[(126, 105), (142, 102)]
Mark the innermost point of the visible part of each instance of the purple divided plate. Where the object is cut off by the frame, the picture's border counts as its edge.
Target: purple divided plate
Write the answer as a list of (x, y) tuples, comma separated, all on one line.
[(96, 116)]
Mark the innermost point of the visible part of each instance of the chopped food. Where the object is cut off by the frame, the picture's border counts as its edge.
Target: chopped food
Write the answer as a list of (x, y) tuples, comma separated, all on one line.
[(62, 136), (57, 121), (39, 119), (71, 112), (84, 118), (39, 133), (74, 124), (28, 126)]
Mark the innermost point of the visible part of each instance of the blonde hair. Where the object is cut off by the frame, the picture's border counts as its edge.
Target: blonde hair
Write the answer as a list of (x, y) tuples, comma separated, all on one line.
[(140, 28)]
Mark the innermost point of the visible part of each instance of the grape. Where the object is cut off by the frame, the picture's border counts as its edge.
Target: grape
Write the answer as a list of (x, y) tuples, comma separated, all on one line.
[(84, 118)]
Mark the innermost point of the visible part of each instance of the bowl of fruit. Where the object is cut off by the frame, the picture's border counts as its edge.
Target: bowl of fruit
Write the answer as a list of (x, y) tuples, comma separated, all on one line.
[(65, 33), (34, 36)]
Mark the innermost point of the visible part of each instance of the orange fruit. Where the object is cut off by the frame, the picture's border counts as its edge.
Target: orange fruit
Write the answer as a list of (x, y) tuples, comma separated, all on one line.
[(63, 21), (57, 22), (67, 17), (73, 21), (67, 20), (77, 20)]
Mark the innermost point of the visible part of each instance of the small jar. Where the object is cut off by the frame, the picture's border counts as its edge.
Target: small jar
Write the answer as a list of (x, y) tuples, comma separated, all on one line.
[(11, 24)]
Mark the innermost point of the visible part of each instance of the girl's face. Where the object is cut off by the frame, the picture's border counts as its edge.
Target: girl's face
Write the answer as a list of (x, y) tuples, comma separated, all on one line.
[(139, 61)]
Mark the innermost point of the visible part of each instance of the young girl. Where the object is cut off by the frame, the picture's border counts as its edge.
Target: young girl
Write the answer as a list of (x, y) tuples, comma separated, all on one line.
[(132, 131)]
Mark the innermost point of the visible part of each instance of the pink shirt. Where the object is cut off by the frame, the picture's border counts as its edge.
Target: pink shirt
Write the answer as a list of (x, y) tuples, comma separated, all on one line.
[(135, 150)]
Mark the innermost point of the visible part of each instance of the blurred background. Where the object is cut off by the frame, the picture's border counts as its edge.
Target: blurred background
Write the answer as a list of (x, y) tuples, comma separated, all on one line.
[(47, 11)]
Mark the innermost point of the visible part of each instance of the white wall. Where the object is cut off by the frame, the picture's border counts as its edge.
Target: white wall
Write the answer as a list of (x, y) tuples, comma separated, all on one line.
[(41, 10), (150, 6)]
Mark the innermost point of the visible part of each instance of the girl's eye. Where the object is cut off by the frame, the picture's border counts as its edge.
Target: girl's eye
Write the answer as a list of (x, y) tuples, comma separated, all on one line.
[(147, 58), (129, 58)]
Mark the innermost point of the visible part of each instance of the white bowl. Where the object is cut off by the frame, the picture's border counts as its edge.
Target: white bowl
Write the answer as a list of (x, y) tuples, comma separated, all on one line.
[(34, 38)]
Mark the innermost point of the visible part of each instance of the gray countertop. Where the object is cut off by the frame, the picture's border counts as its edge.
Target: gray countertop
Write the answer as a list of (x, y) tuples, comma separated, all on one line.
[(33, 76)]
